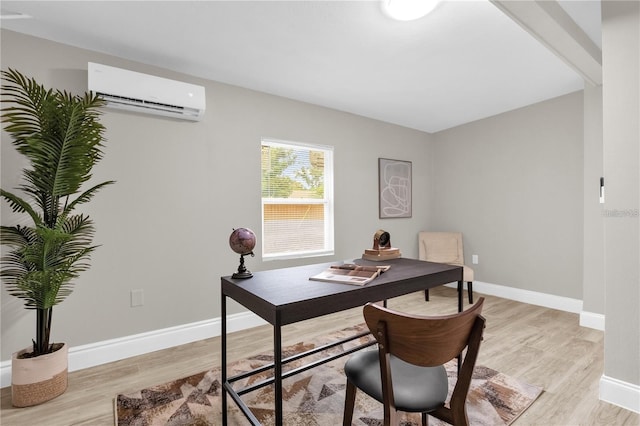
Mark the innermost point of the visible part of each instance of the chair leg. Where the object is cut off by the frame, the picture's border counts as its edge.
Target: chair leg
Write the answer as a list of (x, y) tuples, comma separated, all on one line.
[(459, 415), (390, 416), (426, 295), (425, 419), (349, 402)]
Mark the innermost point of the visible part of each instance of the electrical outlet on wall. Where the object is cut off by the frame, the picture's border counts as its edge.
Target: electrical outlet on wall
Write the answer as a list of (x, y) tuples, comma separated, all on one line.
[(474, 259), (137, 298)]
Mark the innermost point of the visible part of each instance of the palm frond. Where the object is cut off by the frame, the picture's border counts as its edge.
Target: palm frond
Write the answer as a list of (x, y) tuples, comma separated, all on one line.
[(85, 196), (19, 205), (16, 236), (58, 132), (28, 99)]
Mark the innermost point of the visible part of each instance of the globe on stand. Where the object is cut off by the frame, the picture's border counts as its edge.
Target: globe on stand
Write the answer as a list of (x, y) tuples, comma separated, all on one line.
[(242, 241)]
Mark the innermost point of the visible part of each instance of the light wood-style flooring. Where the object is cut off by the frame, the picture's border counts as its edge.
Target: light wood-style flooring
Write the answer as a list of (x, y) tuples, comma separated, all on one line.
[(539, 345)]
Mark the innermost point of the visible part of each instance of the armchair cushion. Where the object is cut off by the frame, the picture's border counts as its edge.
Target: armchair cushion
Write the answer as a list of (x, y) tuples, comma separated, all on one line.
[(443, 247)]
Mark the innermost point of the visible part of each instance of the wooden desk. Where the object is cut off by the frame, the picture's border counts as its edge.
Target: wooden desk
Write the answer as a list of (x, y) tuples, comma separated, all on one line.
[(285, 296)]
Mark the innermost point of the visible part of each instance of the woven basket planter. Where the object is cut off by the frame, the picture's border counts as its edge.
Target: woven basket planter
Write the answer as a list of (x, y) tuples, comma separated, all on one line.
[(40, 379)]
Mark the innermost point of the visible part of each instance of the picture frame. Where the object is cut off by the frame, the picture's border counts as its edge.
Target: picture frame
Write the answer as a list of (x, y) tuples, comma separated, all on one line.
[(394, 188)]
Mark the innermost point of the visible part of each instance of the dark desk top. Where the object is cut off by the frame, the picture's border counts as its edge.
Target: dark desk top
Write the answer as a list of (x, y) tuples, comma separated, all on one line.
[(287, 295)]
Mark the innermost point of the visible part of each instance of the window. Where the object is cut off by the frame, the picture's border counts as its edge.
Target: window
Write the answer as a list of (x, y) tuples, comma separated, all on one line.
[(297, 200)]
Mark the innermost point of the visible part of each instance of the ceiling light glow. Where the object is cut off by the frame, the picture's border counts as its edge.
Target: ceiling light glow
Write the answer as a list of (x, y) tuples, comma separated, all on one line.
[(408, 10)]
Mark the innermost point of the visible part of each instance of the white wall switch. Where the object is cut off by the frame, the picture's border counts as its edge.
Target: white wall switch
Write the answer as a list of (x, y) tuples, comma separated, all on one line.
[(474, 259)]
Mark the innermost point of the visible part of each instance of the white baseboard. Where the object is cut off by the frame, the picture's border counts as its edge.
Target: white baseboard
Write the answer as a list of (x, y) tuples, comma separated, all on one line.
[(622, 394), (527, 296), (99, 353), (592, 320), (587, 319)]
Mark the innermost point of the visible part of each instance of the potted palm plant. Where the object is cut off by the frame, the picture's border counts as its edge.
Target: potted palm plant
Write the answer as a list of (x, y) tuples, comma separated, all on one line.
[(61, 137)]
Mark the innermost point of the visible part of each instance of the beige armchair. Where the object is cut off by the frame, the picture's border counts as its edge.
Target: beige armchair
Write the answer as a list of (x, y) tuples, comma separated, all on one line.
[(445, 247)]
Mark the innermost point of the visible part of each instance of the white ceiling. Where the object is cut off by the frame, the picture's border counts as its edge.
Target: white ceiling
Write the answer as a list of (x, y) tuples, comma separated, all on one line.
[(465, 61)]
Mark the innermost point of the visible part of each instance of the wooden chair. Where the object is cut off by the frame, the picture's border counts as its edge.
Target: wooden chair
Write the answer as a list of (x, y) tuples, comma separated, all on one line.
[(445, 247), (406, 373)]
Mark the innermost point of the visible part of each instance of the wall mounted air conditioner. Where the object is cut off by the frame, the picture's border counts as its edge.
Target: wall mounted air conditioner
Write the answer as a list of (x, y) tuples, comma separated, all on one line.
[(134, 91)]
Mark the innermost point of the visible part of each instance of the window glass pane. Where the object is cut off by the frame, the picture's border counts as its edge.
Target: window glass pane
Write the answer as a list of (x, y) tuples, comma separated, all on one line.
[(292, 173), (293, 227), (297, 210)]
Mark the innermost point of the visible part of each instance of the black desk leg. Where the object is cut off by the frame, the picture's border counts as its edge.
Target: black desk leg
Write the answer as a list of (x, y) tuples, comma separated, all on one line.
[(223, 355), (277, 371)]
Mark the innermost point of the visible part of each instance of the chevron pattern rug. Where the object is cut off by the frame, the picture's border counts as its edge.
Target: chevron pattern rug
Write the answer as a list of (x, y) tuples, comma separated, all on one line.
[(315, 397)]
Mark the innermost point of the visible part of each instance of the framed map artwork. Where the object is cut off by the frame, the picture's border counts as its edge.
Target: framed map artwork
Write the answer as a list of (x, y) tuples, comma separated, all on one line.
[(394, 187)]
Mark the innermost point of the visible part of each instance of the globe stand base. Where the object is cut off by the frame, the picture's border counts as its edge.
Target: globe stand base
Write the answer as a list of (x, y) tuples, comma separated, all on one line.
[(242, 275), (243, 272)]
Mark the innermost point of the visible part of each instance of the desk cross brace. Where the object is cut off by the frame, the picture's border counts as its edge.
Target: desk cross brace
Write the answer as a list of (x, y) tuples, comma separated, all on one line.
[(235, 394), (298, 370)]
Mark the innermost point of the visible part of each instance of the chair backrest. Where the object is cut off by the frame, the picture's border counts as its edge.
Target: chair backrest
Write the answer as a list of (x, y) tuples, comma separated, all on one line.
[(441, 247), (424, 340)]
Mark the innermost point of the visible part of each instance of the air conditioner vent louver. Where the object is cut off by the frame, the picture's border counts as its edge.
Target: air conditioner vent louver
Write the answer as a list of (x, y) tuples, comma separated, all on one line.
[(133, 91), (112, 99)]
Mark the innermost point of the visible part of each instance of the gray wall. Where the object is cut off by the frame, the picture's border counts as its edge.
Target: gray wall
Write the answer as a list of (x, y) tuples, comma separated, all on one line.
[(621, 129), (182, 187), (512, 184)]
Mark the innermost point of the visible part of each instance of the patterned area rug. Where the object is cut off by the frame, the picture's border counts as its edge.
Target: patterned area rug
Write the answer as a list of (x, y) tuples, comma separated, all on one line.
[(315, 397)]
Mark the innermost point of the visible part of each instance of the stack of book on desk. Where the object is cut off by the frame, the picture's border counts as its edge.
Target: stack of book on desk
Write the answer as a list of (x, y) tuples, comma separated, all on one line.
[(350, 274), (381, 254)]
